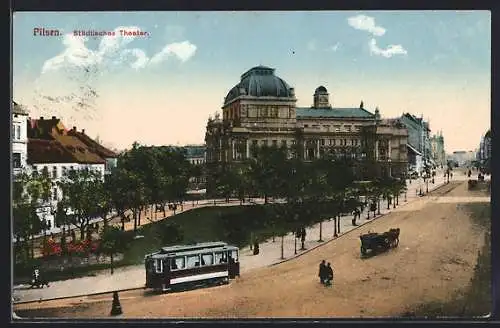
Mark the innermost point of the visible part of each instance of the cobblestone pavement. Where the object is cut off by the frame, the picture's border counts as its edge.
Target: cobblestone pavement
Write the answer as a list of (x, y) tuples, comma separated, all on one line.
[(270, 253)]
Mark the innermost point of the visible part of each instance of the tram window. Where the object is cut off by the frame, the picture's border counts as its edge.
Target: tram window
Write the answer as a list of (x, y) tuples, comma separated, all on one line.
[(158, 266), (207, 259), (193, 261), (178, 263), (234, 255), (220, 257)]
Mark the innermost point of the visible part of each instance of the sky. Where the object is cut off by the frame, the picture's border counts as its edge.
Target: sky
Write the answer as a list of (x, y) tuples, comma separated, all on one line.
[(159, 88)]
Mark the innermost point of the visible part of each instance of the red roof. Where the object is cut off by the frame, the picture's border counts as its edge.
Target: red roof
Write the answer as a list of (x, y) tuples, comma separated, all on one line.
[(50, 142), (47, 151), (92, 144)]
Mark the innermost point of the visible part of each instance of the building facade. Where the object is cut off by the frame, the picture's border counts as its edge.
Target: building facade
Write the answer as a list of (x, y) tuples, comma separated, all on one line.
[(419, 143), (484, 152), (46, 146), (19, 138), (195, 154), (438, 153), (261, 110)]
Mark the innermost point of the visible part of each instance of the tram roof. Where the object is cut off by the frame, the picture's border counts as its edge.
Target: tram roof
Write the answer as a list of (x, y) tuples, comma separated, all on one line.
[(187, 252), (179, 248)]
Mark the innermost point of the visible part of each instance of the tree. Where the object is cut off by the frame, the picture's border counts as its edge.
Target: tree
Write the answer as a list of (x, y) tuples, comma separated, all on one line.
[(113, 241), (170, 234), (80, 197), (62, 220), (266, 170), (31, 191)]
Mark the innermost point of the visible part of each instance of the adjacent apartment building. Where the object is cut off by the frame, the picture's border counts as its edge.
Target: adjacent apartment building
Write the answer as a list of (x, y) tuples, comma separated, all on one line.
[(45, 145)]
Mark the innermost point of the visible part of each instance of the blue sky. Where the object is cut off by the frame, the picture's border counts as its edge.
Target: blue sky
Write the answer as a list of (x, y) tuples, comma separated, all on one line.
[(430, 63)]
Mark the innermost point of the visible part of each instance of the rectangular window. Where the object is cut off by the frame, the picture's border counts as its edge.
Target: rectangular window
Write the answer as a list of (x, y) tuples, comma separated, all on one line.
[(192, 261), (54, 172), (18, 132), (275, 143), (220, 257), (337, 128), (306, 125), (234, 255), (283, 143), (207, 259), (54, 194), (348, 128), (322, 142), (158, 266), (16, 160), (178, 263)]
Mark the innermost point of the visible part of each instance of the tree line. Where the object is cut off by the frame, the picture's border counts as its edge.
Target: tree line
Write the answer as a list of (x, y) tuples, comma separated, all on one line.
[(304, 193)]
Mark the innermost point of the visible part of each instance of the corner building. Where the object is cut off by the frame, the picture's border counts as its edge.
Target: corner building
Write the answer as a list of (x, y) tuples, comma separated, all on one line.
[(261, 110)]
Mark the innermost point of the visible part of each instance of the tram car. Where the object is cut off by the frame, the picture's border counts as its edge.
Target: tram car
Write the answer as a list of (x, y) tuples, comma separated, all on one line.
[(204, 263)]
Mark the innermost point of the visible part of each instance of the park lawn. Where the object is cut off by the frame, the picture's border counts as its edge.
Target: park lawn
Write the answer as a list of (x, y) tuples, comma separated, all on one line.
[(197, 225)]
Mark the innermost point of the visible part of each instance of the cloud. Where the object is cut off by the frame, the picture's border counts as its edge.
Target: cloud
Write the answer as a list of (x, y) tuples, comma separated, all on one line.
[(182, 50), (112, 51), (366, 23), (311, 45), (391, 50), (335, 47)]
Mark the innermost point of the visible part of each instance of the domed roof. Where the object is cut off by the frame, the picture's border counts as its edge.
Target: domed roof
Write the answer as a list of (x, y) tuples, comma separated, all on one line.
[(260, 81), (321, 89)]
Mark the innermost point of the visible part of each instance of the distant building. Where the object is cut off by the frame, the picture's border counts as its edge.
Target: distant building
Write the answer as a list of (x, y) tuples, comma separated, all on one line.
[(462, 157), (419, 144), (438, 153), (261, 110), (195, 154)]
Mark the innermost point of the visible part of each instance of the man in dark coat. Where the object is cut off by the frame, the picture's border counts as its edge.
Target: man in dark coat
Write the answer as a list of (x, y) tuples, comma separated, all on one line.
[(329, 274), (322, 271)]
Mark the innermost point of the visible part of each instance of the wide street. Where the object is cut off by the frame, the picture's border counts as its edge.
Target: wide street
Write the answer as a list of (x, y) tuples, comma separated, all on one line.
[(270, 253)]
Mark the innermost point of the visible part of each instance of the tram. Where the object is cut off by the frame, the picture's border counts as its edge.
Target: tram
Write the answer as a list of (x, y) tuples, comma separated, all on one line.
[(180, 265)]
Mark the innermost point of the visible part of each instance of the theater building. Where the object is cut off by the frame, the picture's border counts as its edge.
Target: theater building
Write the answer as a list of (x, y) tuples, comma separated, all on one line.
[(261, 110)]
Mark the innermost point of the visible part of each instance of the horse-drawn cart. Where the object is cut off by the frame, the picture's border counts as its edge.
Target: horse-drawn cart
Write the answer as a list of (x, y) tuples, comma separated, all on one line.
[(372, 242)]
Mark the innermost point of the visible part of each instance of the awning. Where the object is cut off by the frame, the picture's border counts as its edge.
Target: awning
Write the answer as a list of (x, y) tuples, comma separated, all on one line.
[(413, 149)]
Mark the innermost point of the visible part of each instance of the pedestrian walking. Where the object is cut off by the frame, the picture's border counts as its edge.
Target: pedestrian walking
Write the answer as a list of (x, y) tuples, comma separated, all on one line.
[(329, 275), (322, 272)]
